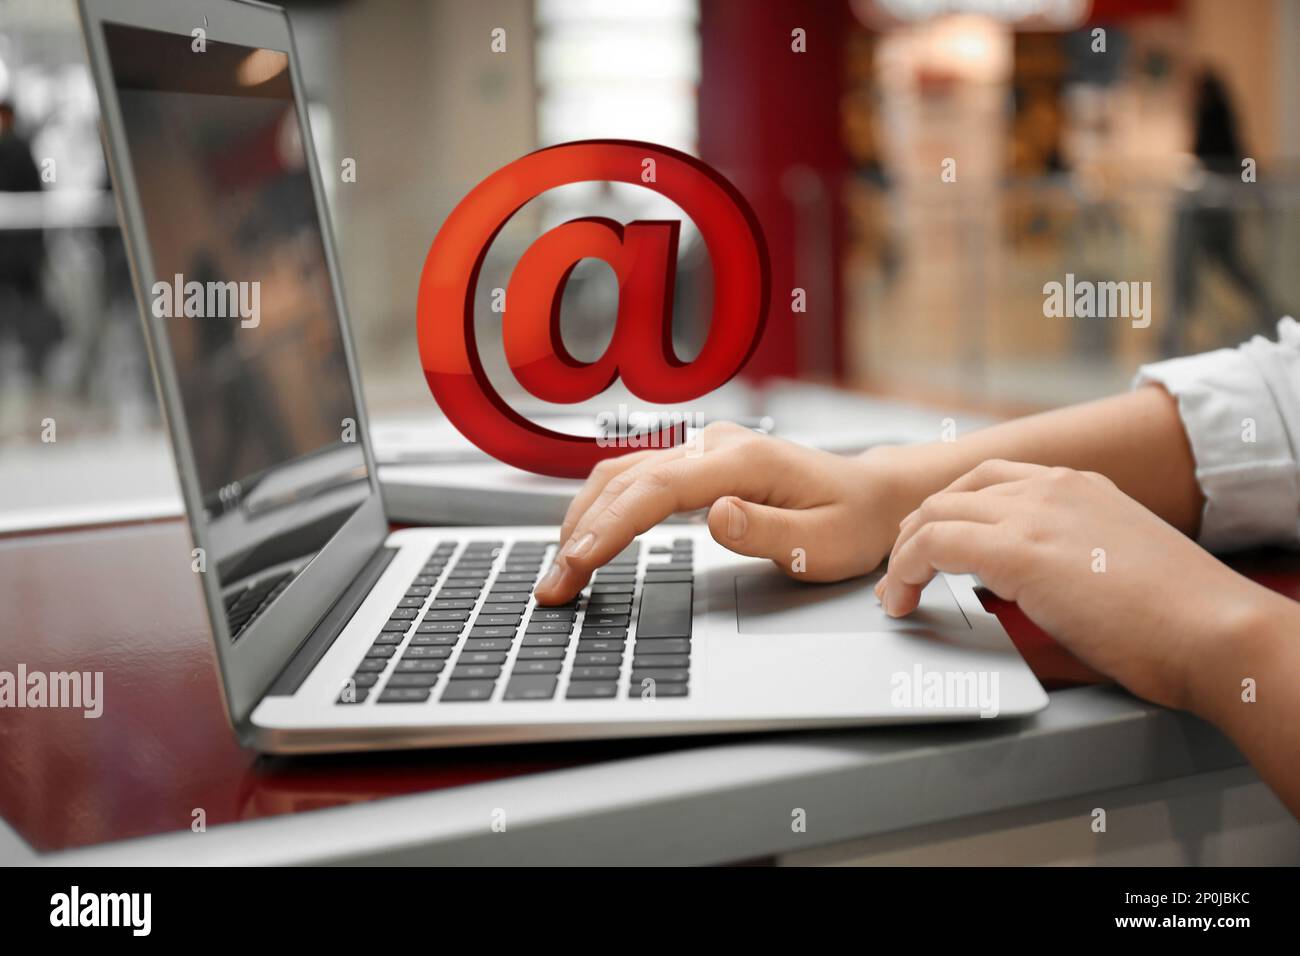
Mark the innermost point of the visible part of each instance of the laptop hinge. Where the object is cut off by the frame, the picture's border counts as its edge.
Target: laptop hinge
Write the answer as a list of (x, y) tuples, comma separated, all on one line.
[(331, 626)]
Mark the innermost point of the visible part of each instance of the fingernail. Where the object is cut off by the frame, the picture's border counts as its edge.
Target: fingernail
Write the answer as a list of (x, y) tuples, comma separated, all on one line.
[(880, 587), (736, 521), (551, 578), (580, 547), (885, 603)]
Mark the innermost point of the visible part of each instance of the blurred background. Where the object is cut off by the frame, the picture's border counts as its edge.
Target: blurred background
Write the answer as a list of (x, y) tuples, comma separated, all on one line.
[(921, 169)]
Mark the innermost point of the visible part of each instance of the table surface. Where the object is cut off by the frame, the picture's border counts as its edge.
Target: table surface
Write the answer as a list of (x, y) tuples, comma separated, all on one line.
[(124, 601)]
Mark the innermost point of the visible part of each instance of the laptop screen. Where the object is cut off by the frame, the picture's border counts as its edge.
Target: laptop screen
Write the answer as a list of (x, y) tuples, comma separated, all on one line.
[(242, 287)]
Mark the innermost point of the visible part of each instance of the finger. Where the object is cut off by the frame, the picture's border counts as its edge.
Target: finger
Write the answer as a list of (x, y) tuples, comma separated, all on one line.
[(988, 506), (995, 471), (717, 437), (600, 476), (954, 547), (784, 536), (646, 495)]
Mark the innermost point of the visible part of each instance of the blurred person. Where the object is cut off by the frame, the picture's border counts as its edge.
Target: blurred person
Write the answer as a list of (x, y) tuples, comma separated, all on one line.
[(1204, 230), (23, 312), (1156, 479)]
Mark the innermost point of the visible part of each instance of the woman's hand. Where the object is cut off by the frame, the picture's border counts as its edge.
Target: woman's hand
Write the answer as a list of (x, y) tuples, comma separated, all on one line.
[(835, 515), (1125, 592)]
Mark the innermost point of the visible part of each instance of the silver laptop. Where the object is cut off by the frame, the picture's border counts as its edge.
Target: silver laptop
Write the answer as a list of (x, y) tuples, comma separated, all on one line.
[(334, 633)]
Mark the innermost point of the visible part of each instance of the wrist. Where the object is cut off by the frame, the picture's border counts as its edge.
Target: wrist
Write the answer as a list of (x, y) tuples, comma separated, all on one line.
[(894, 479), (911, 473), (1246, 637)]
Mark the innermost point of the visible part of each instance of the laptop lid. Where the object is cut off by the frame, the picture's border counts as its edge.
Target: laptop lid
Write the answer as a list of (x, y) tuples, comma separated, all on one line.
[(234, 268)]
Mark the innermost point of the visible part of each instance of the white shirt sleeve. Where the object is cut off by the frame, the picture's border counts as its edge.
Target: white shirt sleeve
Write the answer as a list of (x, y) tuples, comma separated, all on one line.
[(1241, 410)]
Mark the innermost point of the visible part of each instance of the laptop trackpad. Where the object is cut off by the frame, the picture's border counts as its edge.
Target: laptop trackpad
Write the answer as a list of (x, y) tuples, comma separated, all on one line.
[(770, 603)]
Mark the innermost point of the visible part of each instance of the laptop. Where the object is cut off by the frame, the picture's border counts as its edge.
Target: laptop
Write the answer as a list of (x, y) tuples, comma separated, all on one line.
[(333, 632)]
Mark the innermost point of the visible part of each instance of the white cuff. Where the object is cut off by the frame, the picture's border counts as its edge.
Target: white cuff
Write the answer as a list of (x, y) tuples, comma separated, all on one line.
[(1236, 405)]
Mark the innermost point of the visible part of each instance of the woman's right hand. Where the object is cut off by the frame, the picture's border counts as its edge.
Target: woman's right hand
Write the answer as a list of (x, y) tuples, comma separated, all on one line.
[(818, 516)]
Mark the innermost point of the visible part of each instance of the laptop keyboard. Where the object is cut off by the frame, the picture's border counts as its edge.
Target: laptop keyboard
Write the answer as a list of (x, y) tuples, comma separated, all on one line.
[(467, 630)]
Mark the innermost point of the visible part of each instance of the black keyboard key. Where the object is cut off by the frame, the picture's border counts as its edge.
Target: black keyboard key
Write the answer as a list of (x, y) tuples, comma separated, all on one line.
[(663, 646), (416, 602), (481, 657), (531, 687), (597, 660), (404, 614), (412, 679), (661, 675), (372, 665), (495, 607), (440, 627), (420, 666), (389, 637), (465, 580), (487, 644), (541, 654), (397, 626), (614, 577), (447, 616), (592, 690), (416, 590), (364, 679), (668, 566), (640, 661), (599, 589), (606, 620), (488, 632), (512, 596), (537, 667), (594, 673), (654, 691), (404, 695), (381, 650), (467, 593), (476, 672), (603, 610), (550, 627), (551, 614), (426, 653), (665, 611), (506, 577), (453, 604), (669, 577), (467, 690), (599, 632), (435, 640), (601, 646), (546, 640), (498, 620)]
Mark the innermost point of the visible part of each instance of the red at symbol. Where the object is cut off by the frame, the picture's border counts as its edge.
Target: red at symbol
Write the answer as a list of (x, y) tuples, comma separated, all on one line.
[(643, 255)]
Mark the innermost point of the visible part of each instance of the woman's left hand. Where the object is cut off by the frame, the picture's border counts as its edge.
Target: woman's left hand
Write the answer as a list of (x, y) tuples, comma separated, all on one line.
[(1123, 591)]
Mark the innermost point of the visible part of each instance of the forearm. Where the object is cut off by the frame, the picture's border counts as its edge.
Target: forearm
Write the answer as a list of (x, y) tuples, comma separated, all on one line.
[(1135, 439), (1245, 684)]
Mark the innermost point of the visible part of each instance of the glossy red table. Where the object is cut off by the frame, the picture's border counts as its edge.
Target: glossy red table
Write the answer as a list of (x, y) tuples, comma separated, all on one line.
[(124, 601)]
